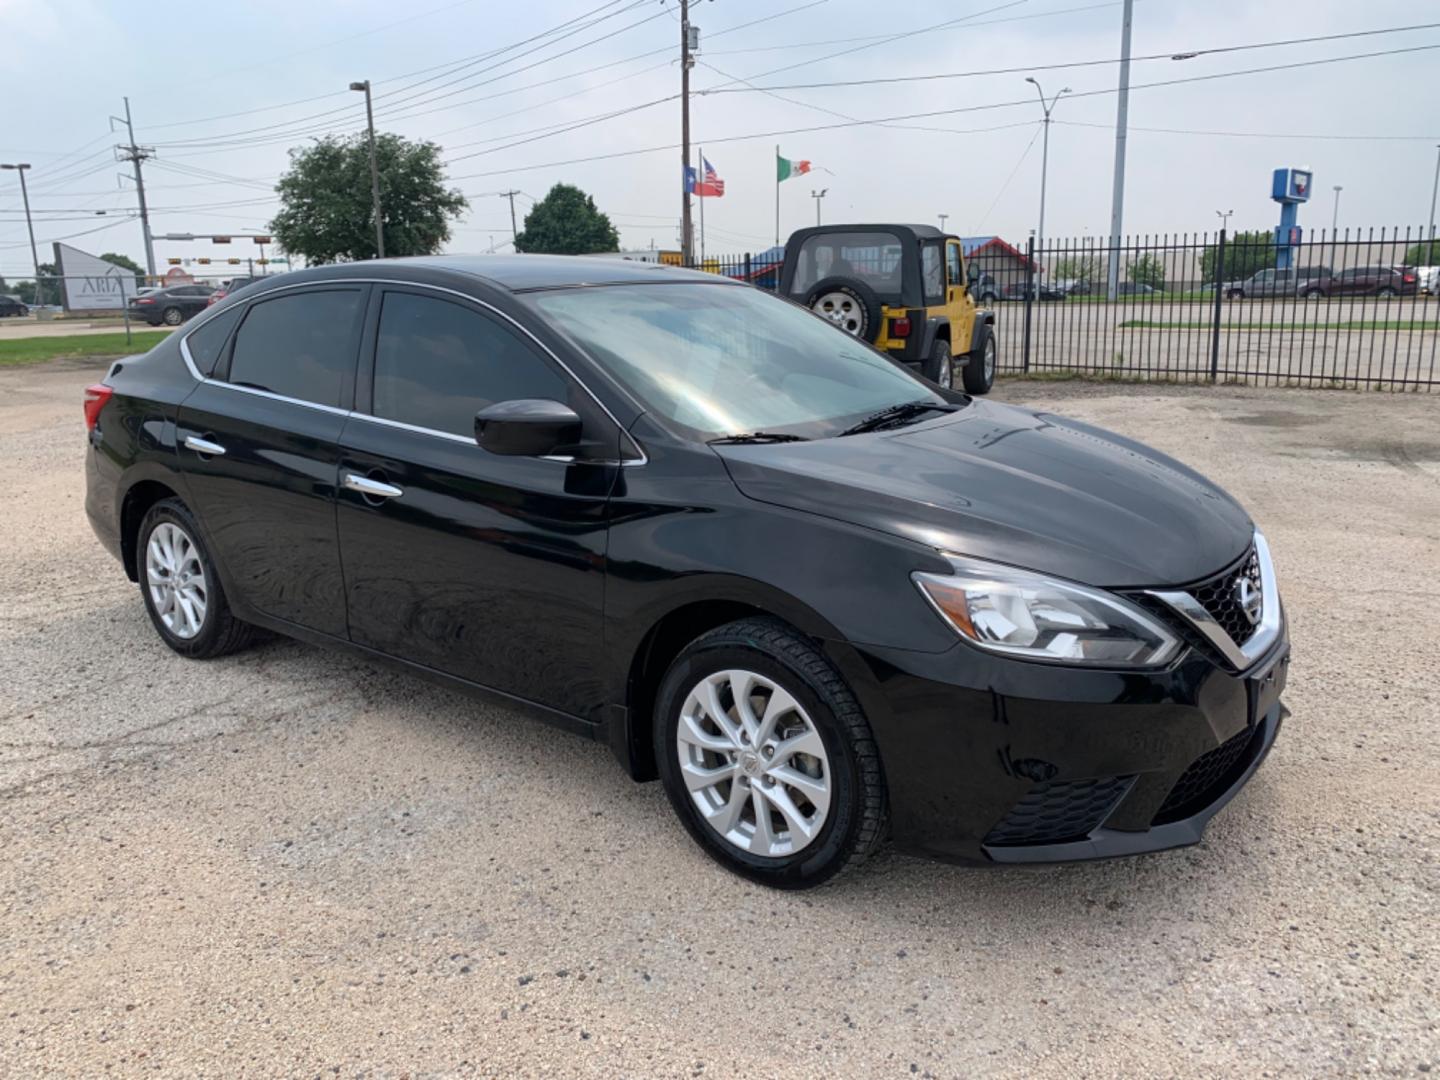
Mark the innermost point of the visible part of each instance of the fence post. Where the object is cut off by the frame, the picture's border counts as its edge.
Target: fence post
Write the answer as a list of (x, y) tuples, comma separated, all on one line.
[(1219, 292), (748, 279), (125, 308), (1029, 283)]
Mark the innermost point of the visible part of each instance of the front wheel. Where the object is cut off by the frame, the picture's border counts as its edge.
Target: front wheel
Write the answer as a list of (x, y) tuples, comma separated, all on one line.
[(978, 375), (1387, 293), (766, 756), (173, 316)]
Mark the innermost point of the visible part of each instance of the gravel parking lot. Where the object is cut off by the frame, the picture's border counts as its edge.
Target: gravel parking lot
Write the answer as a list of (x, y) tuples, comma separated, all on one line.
[(292, 863)]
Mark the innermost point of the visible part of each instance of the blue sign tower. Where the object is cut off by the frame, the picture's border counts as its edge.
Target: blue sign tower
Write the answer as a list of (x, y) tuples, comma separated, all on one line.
[(1290, 188)]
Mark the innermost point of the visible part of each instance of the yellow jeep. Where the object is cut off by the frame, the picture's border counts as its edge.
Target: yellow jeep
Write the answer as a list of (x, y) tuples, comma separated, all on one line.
[(903, 289)]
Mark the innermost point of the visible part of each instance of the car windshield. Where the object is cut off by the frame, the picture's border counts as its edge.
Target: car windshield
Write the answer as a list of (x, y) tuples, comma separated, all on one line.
[(722, 360)]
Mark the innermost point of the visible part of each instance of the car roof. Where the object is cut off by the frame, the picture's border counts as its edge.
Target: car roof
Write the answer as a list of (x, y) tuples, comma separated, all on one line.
[(519, 273)]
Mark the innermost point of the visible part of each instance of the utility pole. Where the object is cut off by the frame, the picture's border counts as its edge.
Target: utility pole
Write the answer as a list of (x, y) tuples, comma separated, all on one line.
[(1044, 155), (817, 196), (374, 170), (29, 226), (942, 221), (687, 240), (1122, 121), (1434, 190), (514, 232), (1335, 214), (137, 154)]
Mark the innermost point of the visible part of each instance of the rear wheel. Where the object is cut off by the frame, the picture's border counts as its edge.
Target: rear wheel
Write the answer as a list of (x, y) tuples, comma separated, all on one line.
[(182, 592), (1386, 293), (940, 368), (978, 376), (766, 756)]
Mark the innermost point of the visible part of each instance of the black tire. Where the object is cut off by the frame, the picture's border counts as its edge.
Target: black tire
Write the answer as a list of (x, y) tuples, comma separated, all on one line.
[(172, 316), (1386, 293), (940, 366), (1235, 294), (989, 297), (856, 821), (1314, 294), (977, 376), (866, 305), (220, 632)]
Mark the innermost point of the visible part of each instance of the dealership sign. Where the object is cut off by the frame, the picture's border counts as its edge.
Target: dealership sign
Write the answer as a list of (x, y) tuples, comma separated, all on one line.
[(92, 284)]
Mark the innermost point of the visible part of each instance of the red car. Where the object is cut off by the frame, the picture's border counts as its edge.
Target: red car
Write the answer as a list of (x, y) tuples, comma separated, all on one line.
[(1382, 281), (230, 287)]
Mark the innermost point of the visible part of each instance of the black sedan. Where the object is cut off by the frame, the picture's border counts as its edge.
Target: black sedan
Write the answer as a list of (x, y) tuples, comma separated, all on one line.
[(12, 305), (171, 306), (823, 600)]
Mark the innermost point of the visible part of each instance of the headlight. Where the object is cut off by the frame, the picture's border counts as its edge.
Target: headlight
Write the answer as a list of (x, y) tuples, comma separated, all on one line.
[(1005, 610)]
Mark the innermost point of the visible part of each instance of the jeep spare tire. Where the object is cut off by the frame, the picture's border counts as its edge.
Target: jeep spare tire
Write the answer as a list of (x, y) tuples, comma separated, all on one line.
[(848, 303)]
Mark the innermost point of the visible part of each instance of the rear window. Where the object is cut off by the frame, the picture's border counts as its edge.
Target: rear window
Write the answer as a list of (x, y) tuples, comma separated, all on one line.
[(871, 257)]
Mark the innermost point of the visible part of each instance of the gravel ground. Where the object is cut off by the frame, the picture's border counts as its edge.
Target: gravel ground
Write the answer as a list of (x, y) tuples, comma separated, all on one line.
[(292, 863)]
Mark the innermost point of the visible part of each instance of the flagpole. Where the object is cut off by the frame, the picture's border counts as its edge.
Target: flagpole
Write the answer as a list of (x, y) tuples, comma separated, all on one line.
[(777, 194), (700, 174)]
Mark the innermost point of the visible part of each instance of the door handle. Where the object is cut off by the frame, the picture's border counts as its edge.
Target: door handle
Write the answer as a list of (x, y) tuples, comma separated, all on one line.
[(373, 489), (203, 446)]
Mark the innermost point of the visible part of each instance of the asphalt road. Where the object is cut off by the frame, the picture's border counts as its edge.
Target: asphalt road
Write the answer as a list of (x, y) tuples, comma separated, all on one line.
[(289, 863)]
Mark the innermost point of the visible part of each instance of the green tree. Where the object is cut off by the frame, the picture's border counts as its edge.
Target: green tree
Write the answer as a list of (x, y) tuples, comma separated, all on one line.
[(1424, 254), (326, 210), (1084, 268), (127, 263), (1147, 270), (25, 290), (566, 222), (1245, 253)]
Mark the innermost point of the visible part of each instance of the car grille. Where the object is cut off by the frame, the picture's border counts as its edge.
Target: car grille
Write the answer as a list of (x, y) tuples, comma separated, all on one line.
[(1207, 778), (1218, 597), (1060, 810)]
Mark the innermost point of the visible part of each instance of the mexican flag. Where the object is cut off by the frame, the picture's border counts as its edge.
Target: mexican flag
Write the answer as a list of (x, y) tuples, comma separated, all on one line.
[(785, 168)]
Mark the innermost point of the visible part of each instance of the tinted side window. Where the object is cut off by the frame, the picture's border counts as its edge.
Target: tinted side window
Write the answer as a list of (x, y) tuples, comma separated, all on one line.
[(438, 363), (301, 345), (207, 342)]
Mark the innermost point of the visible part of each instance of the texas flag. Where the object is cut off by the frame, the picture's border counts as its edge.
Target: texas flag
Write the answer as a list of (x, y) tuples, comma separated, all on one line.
[(711, 185)]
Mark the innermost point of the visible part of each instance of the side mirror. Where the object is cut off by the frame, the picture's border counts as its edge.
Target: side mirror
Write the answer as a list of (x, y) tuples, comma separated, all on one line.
[(527, 427)]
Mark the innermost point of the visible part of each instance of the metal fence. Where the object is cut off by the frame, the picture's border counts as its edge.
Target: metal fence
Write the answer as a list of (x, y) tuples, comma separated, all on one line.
[(1354, 308)]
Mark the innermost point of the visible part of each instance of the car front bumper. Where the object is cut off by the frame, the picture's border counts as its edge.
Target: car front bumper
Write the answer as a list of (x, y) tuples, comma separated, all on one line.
[(992, 760)]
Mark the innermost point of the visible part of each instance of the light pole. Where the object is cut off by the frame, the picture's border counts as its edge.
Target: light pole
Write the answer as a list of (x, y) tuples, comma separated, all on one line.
[(1434, 190), (374, 169), (942, 221), (1224, 216), (1044, 154), (817, 196), (30, 227)]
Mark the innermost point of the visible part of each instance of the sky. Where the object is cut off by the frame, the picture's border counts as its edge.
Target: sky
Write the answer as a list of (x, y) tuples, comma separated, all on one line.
[(518, 94)]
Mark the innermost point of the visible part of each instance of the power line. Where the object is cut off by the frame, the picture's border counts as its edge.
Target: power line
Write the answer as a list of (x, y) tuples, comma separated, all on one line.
[(1021, 102)]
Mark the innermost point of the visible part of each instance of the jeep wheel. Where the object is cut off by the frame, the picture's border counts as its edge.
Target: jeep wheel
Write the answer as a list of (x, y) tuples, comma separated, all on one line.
[(978, 376), (849, 304), (940, 367)]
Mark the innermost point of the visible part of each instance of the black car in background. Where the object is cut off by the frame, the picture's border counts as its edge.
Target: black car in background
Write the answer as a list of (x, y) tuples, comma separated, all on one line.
[(172, 305), (822, 599), (233, 285), (12, 305)]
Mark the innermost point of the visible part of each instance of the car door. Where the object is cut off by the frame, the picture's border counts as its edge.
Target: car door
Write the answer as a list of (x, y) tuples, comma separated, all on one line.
[(1346, 283), (258, 446), (957, 303), (482, 566)]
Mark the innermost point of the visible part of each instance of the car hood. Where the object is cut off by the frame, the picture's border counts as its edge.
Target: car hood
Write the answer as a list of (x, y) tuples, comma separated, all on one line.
[(1026, 488)]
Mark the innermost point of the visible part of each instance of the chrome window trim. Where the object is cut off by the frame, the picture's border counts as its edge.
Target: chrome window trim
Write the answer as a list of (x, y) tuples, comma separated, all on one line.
[(1267, 631), (644, 458)]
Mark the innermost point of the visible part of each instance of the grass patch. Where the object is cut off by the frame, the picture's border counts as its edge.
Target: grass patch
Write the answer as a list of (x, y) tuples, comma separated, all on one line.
[(1365, 324), (38, 349)]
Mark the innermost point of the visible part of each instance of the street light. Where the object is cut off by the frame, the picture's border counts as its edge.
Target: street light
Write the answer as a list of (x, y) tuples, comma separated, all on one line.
[(1335, 215), (817, 196), (942, 221), (29, 226), (374, 169), (1224, 216), (1045, 153)]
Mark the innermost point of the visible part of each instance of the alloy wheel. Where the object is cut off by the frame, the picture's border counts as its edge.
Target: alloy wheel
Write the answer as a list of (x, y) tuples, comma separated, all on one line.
[(989, 359), (175, 576), (841, 309), (754, 763), (173, 317)]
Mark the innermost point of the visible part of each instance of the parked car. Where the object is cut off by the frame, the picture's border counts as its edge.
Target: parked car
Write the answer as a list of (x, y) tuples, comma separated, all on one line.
[(983, 287), (233, 285), (816, 595), (1135, 288), (903, 289), (172, 305), (1384, 282), (13, 305), (1040, 290), (1271, 283), (1429, 277)]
